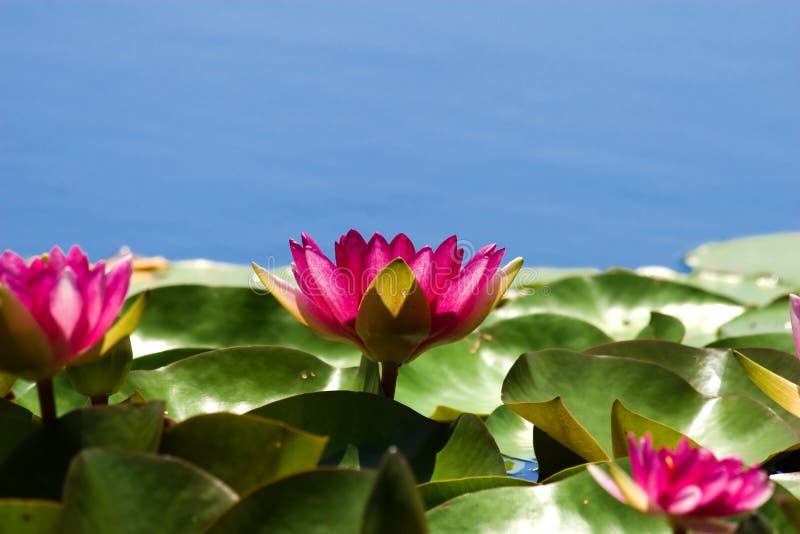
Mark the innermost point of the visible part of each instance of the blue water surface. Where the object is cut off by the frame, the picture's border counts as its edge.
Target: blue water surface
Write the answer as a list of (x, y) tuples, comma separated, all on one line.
[(573, 133)]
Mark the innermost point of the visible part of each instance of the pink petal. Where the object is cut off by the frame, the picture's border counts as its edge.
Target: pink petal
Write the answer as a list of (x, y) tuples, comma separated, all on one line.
[(606, 482), (334, 287), (12, 264), (116, 288), (377, 256), (56, 260), (310, 243), (402, 247), (66, 303), (78, 261), (684, 501), (795, 320), (422, 267), (446, 263), (350, 252)]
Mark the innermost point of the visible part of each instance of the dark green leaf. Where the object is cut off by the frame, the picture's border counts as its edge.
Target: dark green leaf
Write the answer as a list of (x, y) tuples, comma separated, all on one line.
[(470, 451), (394, 505), (29, 516)]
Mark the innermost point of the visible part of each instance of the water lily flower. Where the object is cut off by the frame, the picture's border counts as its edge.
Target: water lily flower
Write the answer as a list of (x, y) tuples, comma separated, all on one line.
[(689, 486), (58, 310), (794, 315), (388, 299)]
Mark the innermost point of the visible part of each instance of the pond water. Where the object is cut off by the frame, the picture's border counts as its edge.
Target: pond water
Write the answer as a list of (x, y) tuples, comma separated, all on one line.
[(580, 133)]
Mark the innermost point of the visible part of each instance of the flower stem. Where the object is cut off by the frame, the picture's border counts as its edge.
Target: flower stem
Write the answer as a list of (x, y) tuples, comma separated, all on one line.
[(47, 400), (99, 400), (389, 378)]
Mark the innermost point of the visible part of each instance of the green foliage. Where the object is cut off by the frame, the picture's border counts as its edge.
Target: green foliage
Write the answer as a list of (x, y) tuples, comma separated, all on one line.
[(236, 418)]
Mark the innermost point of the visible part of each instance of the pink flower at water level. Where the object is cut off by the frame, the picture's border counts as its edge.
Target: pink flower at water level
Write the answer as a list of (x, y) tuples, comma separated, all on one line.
[(388, 299), (794, 316), (57, 310), (689, 486)]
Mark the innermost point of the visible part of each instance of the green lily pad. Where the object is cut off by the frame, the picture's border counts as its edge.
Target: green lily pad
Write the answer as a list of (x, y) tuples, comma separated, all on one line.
[(772, 318), (67, 399), (436, 492), (513, 434), (712, 372), (237, 379), (37, 466), (157, 360), (470, 451), (662, 326), (625, 422), (30, 516), (576, 505), (200, 316), (325, 501), (366, 424), (244, 451), (775, 254), (751, 290), (467, 375), (619, 303), (588, 386), (120, 492), (782, 342), (394, 505), (197, 272)]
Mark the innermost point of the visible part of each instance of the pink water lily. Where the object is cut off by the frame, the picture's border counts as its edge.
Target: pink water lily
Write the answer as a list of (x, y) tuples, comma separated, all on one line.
[(56, 309), (389, 299), (689, 486), (794, 315)]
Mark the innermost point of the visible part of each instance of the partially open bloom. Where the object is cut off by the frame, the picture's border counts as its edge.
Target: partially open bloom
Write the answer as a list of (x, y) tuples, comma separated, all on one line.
[(387, 298), (689, 486), (57, 310), (794, 315)]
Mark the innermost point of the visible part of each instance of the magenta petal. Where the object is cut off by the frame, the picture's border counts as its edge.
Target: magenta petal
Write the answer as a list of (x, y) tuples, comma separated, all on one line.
[(56, 260), (66, 303), (116, 288), (334, 286), (446, 263), (794, 316), (350, 252), (685, 501), (78, 261), (377, 256), (606, 482), (402, 247), (422, 267), (310, 243)]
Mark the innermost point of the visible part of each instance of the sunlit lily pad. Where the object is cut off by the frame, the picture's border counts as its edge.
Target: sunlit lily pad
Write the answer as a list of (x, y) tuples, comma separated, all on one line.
[(30, 516), (236, 379), (619, 303), (588, 385), (773, 318), (775, 254), (201, 316), (467, 375)]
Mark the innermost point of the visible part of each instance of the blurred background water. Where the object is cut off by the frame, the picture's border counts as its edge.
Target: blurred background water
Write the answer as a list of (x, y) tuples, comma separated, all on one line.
[(573, 133)]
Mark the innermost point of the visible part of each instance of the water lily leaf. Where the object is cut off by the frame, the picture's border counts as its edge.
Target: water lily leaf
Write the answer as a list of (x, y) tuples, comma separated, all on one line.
[(470, 451), (619, 303), (552, 456), (436, 492), (577, 505), (244, 451), (198, 271), (6, 383), (237, 379), (663, 326), (325, 501), (712, 372), (772, 318), (784, 392), (365, 422), (394, 505), (200, 316), (587, 385), (30, 516), (474, 367), (782, 342), (37, 466), (775, 254), (625, 421), (121, 492), (751, 290), (512, 433), (157, 360)]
